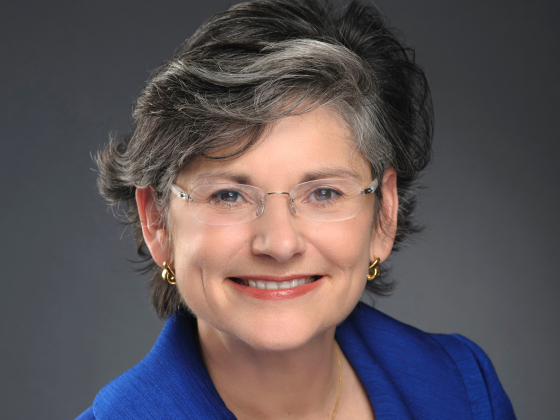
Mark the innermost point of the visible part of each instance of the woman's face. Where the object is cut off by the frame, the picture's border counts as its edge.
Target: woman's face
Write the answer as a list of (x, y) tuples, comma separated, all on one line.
[(279, 245)]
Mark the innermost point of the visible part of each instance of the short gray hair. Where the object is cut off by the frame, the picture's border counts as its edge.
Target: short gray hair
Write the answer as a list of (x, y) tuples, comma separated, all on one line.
[(259, 62)]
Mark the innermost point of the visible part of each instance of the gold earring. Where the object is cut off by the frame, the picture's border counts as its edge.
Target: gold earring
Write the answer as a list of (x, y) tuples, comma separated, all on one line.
[(374, 270), (167, 274)]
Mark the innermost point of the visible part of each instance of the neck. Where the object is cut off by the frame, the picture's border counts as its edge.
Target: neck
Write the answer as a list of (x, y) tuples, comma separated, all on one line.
[(299, 383)]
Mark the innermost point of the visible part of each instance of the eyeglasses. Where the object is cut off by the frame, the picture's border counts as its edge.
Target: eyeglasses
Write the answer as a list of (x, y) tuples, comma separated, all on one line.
[(324, 200)]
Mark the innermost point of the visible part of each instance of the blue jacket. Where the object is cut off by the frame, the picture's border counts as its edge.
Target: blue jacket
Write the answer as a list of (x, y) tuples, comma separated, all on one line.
[(407, 373)]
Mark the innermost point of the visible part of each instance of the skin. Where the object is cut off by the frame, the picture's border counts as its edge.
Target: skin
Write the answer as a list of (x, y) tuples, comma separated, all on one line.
[(275, 359)]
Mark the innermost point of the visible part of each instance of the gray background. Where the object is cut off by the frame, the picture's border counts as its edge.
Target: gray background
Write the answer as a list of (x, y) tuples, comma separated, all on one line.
[(75, 314)]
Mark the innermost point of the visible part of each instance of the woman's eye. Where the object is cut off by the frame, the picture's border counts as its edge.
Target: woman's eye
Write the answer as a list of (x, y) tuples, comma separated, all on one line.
[(230, 196), (227, 196), (324, 194)]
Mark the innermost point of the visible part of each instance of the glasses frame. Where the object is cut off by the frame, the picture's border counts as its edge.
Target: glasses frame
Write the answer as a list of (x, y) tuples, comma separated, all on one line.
[(178, 191)]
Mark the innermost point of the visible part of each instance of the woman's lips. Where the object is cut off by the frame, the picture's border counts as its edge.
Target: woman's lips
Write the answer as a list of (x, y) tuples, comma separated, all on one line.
[(275, 289)]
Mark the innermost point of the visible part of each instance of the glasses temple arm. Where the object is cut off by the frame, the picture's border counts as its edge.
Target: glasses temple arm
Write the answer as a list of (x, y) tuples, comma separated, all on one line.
[(179, 192), (371, 187)]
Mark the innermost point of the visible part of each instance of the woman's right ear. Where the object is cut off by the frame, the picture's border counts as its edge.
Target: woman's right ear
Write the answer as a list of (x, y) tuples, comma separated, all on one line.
[(155, 234)]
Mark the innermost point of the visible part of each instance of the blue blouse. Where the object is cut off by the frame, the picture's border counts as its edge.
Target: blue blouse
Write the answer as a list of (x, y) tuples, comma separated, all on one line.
[(407, 373)]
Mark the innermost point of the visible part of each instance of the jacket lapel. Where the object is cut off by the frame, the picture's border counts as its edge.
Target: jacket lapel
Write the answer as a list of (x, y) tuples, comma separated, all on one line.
[(171, 382), (406, 373)]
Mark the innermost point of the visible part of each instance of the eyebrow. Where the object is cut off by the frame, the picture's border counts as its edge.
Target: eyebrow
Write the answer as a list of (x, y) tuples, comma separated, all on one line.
[(236, 177), (242, 178), (329, 173)]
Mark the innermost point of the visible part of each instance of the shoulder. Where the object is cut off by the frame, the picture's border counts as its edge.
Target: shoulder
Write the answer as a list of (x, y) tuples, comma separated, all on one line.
[(435, 373), (478, 373), (151, 389), (86, 415)]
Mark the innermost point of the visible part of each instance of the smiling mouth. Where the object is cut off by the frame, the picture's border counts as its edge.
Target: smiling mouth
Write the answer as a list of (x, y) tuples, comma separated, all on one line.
[(275, 285)]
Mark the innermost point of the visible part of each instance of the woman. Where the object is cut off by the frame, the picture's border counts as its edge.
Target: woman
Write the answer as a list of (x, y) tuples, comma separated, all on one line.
[(268, 177)]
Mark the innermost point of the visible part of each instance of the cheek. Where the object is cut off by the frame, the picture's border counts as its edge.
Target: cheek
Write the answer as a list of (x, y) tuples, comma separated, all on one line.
[(201, 254), (349, 239), (345, 245)]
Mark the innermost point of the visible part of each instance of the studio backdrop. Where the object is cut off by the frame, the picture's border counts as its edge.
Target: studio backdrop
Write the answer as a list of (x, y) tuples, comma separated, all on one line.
[(76, 313)]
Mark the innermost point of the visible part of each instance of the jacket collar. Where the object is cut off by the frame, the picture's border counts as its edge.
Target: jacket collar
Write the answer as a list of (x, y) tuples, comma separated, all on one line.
[(403, 370), (406, 372), (171, 382)]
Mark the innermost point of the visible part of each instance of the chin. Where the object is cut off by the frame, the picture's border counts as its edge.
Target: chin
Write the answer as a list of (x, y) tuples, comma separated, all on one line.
[(279, 340), (280, 332)]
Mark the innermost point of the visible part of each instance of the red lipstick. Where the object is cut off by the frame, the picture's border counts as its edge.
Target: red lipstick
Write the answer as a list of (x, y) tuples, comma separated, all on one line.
[(276, 294)]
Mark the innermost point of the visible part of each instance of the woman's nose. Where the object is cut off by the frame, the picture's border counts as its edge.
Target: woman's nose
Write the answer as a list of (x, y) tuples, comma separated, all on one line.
[(276, 233)]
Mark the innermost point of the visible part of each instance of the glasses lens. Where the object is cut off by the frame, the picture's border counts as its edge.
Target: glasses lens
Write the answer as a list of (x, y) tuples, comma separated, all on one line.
[(328, 200), (225, 204)]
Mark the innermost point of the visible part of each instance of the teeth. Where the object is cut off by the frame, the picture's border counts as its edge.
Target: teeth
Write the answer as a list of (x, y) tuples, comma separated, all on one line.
[(271, 285), (274, 285)]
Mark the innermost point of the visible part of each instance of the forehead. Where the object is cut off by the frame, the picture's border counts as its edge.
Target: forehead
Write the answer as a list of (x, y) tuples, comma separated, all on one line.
[(294, 149)]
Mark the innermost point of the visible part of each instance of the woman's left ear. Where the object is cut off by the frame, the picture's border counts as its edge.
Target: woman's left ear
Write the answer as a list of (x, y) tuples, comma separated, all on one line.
[(155, 234), (385, 228)]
